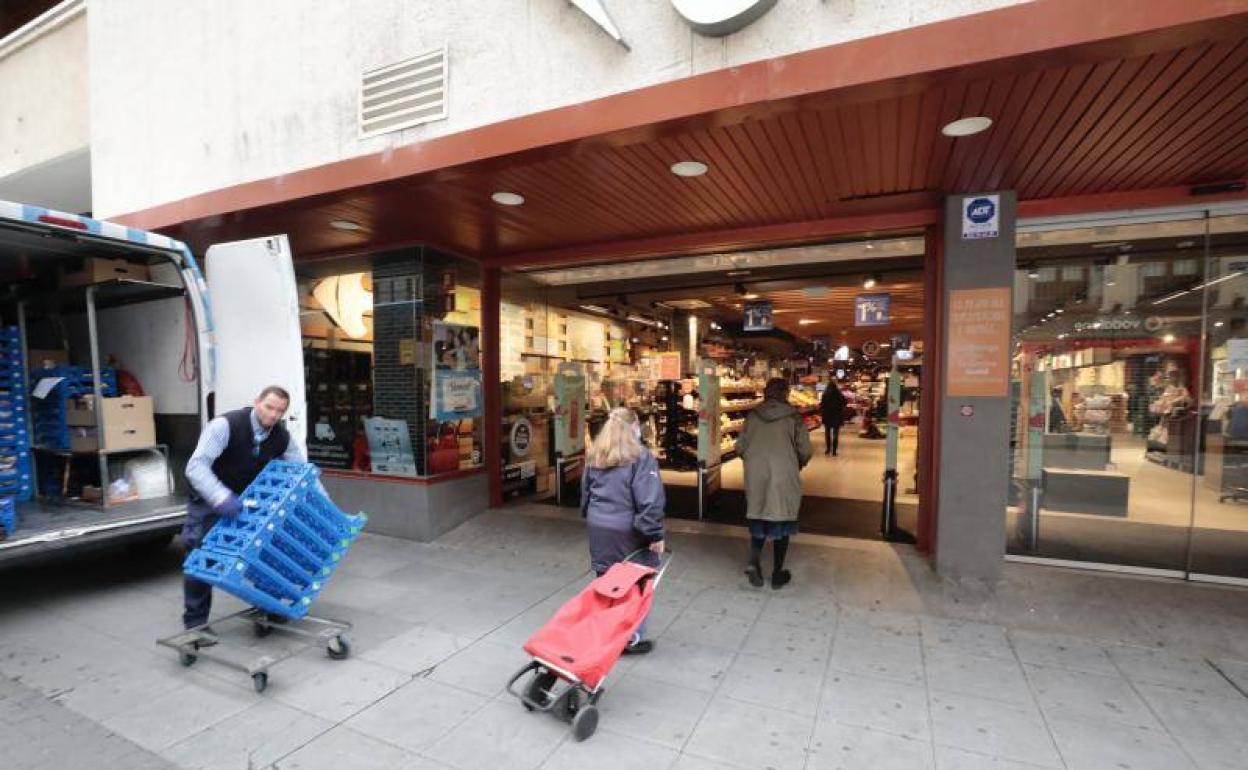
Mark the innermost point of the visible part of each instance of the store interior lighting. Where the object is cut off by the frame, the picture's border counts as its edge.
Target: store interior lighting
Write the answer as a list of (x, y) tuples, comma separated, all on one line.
[(345, 301), (346, 225), (869, 282)]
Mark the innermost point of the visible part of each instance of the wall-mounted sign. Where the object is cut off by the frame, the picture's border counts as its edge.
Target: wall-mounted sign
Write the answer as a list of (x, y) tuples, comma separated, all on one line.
[(872, 309), (981, 217), (979, 338), (669, 366), (456, 371), (713, 18), (758, 316), (521, 436), (716, 18)]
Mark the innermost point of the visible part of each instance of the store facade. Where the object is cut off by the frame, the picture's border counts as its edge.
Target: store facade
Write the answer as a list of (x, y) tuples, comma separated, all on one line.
[(1098, 111)]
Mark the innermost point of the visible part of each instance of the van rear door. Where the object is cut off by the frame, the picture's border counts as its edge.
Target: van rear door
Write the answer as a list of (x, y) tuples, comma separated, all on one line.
[(255, 312)]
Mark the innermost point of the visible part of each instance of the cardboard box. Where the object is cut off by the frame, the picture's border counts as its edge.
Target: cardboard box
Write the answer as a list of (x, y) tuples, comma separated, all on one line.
[(96, 270), (46, 359), (129, 423)]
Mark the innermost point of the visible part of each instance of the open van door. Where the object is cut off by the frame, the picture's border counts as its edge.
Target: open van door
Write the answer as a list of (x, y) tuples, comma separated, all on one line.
[(255, 309)]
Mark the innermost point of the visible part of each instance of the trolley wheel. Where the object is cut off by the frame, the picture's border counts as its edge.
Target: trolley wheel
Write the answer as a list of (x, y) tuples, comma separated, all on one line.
[(573, 704), (585, 722), (338, 648), (260, 680), (538, 689), (261, 630), (187, 658)]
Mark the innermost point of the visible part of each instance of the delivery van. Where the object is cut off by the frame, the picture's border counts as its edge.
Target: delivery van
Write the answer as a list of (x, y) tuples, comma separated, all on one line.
[(115, 350)]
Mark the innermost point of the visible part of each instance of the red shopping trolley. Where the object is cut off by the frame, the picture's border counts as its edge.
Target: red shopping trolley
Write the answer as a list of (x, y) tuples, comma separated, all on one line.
[(577, 648)]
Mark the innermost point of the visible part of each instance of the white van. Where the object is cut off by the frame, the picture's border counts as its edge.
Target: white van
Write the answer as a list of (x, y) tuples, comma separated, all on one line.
[(84, 292)]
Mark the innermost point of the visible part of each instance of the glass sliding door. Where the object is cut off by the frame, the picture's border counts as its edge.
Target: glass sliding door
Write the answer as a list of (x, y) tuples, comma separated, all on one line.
[(1219, 538), (1107, 366)]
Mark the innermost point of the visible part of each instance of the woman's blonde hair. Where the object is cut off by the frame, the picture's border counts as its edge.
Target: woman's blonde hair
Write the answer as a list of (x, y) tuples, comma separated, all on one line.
[(617, 443)]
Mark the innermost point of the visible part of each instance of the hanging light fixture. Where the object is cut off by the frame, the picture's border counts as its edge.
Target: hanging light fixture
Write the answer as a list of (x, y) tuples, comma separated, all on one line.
[(345, 301)]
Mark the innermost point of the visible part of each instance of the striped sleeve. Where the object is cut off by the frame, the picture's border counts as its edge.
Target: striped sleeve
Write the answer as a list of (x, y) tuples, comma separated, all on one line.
[(212, 443)]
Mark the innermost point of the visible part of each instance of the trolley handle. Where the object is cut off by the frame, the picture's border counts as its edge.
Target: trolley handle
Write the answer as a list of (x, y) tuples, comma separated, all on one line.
[(665, 559)]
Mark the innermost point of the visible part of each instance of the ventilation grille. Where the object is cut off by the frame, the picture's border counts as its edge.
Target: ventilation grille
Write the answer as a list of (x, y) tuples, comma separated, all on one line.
[(405, 94)]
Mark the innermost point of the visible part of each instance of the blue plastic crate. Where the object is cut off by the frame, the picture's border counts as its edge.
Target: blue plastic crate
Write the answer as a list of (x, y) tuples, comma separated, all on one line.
[(8, 515), (232, 574), (279, 552)]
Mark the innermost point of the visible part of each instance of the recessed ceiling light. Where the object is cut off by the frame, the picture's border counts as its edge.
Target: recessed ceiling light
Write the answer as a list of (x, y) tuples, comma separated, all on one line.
[(966, 126), (345, 224), (1168, 338), (807, 321), (1186, 244), (870, 281), (749, 295), (689, 168), (1218, 324), (507, 198)]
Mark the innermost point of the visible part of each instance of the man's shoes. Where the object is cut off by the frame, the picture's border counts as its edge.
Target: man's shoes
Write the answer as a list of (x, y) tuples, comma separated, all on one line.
[(640, 647), (780, 578), (755, 574)]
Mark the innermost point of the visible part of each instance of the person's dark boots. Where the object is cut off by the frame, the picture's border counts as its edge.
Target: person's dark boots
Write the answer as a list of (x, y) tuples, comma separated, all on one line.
[(755, 573), (779, 575), (754, 570), (639, 648)]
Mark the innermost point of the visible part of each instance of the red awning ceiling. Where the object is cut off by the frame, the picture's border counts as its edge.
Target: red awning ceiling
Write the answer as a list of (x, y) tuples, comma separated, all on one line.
[(1146, 111)]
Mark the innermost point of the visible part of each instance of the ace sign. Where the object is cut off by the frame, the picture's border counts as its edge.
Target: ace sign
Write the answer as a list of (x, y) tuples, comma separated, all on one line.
[(981, 217)]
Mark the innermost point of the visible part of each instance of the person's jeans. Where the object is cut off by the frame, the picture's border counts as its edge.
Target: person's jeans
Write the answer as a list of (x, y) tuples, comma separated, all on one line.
[(196, 594), (831, 437)]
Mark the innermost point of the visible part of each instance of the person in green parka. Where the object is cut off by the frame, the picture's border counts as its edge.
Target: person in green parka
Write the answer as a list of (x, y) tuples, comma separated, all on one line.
[(775, 446)]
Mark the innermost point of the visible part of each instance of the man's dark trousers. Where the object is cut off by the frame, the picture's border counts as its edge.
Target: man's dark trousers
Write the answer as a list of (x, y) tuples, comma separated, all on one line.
[(196, 593)]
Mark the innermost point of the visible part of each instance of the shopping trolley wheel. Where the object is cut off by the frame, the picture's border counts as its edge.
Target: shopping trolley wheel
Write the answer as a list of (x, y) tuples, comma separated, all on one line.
[(261, 629), (338, 648), (260, 680), (585, 722), (538, 689), (187, 658)]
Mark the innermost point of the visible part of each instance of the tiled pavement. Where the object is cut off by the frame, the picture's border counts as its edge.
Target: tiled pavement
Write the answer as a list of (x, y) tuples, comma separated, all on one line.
[(865, 661)]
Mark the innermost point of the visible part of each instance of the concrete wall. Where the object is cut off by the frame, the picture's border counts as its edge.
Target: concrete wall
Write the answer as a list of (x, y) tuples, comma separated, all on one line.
[(44, 111), (974, 456), (411, 511), (215, 94)]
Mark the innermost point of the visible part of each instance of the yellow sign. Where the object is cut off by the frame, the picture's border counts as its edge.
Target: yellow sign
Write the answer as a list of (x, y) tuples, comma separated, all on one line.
[(407, 351)]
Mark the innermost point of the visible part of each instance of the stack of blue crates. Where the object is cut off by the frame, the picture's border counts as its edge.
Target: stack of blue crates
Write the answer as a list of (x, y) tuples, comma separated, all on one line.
[(51, 430), (8, 516), (16, 476), (279, 552)]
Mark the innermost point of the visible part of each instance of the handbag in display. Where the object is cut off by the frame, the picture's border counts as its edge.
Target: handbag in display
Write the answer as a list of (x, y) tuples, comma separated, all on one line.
[(444, 450)]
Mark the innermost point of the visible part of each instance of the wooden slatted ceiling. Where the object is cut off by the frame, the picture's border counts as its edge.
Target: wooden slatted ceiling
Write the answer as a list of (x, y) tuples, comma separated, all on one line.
[(1085, 127)]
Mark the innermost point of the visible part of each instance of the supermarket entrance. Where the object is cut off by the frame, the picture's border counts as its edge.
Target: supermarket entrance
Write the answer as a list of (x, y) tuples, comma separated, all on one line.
[(689, 342)]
